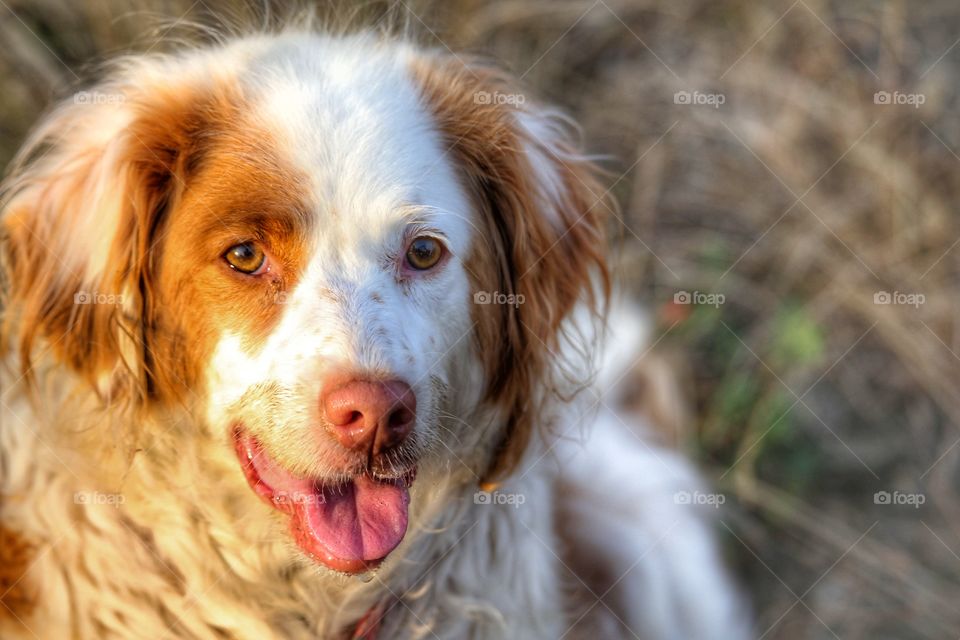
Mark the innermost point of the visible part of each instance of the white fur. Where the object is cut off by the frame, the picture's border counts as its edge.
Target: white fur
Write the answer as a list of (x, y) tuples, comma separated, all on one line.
[(192, 553)]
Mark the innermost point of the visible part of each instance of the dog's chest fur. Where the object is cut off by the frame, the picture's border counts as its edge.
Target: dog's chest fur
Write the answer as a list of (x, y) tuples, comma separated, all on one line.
[(139, 560)]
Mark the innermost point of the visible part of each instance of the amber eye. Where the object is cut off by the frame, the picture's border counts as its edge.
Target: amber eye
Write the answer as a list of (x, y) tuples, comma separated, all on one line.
[(424, 253), (245, 258)]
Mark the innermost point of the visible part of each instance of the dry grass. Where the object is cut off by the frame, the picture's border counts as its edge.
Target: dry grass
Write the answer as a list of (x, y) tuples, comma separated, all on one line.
[(798, 199)]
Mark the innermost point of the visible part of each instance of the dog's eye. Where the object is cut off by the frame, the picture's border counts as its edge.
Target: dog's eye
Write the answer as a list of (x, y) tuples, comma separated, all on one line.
[(424, 253), (245, 258)]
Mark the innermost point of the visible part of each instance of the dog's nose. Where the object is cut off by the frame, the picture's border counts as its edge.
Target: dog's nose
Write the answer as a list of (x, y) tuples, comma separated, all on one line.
[(370, 415)]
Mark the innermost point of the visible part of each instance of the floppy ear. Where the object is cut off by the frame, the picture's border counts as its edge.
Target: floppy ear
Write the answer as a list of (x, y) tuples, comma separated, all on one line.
[(542, 213), (81, 214)]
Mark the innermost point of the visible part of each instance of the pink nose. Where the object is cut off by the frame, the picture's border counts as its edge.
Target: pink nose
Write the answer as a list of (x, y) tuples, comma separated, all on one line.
[(370, 416)]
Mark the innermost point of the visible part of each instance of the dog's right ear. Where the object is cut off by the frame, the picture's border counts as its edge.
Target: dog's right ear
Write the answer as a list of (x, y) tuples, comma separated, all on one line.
[(81, 212)]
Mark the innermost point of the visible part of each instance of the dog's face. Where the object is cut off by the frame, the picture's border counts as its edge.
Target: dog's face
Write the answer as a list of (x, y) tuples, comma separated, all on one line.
[(348, 315), (340, 253)]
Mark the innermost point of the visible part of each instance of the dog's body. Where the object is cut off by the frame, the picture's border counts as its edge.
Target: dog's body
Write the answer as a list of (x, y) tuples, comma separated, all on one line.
[(191, 457)]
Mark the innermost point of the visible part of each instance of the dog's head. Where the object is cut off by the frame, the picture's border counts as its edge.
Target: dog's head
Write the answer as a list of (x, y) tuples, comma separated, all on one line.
[(347, 257)]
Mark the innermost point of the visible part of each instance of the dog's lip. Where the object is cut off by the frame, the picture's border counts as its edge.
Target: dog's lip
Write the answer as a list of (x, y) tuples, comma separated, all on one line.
[(263, 488), (297, 505)]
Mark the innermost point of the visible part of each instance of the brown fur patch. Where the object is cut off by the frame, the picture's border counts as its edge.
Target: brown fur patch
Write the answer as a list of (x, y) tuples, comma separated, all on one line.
[(242, 192), (16, 555), (547, 257), (196, 178)]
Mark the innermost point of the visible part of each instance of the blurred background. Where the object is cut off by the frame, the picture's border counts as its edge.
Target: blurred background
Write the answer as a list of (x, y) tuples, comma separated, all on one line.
[(788, 179)]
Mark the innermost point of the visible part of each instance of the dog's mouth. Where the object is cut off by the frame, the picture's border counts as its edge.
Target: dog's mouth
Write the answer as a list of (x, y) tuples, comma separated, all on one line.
[(349, 526)]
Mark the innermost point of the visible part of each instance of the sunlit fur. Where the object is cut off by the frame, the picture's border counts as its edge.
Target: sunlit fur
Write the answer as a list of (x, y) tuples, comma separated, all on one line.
[(118, 476)]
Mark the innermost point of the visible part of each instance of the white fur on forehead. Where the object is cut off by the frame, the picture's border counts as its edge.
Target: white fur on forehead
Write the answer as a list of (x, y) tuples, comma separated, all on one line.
[(349, 114)]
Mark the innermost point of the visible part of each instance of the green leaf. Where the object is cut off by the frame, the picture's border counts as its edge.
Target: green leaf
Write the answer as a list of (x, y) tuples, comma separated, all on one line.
[(797, 338)]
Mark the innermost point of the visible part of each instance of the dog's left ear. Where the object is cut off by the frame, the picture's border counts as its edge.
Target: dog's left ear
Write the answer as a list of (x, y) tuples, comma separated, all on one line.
[(542, 214)]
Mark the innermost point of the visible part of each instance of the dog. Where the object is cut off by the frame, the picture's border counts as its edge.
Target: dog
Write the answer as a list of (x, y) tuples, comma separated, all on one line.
[(302, 338)]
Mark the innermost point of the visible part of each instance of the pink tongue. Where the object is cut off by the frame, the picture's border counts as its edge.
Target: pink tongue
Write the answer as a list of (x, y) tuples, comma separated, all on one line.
[(356, 523), (348, 527)]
